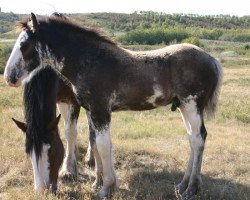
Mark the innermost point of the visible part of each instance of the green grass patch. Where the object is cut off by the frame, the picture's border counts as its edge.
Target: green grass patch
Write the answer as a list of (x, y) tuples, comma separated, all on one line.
[(238, 109), (245, 81)]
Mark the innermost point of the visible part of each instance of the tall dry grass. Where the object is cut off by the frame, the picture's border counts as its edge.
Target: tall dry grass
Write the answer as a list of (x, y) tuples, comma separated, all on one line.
[(151, 150)]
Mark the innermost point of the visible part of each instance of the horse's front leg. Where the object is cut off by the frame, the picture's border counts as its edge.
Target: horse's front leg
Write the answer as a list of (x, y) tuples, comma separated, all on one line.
[(70, 114), (193, 120), (102, 148), (92, 146)]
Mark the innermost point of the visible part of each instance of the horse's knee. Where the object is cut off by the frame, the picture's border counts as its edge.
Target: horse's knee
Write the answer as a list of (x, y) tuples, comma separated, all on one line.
[(196, 142), (71, 130)]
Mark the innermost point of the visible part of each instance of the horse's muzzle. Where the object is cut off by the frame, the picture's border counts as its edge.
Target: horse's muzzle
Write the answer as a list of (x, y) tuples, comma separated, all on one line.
[(12, 80)]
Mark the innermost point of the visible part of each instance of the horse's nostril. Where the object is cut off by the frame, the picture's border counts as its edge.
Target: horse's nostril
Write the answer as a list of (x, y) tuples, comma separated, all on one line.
[(12, 79)]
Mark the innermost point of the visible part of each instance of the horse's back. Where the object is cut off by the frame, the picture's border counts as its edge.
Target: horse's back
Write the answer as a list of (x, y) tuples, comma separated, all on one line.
[(178, 71)]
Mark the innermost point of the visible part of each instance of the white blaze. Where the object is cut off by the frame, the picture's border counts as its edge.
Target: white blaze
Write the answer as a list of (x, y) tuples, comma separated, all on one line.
[(41, 169), (15, 57)]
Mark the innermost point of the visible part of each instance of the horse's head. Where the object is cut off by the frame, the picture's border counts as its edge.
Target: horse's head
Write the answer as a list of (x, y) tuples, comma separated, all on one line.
[(24, 56), (47, 162)]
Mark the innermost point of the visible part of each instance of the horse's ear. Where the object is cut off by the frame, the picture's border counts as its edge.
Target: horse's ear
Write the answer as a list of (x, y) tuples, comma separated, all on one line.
[(53, 125), (33, 24), (20, 125)]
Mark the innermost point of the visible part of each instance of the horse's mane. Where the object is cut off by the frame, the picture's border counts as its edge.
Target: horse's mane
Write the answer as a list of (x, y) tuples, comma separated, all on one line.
[(66, 24), (39, 100)]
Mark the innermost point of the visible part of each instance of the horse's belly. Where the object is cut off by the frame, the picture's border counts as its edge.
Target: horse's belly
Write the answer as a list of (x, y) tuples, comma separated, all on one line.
[(147, 103)]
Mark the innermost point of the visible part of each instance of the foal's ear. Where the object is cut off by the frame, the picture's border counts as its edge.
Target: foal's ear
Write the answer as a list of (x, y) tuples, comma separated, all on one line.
[(21, 125), (53, 125), (33, 24)]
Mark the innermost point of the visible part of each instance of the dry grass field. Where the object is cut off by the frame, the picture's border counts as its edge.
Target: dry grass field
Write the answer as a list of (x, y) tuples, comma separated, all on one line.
[(151, 149)]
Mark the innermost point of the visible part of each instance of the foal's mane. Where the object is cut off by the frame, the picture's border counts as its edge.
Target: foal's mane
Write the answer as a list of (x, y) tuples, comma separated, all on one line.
[(66, 24), (39, 100)]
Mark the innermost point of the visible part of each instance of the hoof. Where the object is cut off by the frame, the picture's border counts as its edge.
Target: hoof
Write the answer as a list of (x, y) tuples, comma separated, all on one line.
[(103, 193), (180, 188), (107, 192), (189, 193), (67, 175)]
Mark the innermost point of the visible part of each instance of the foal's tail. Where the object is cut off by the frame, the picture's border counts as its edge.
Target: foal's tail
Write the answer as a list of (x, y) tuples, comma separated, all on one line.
[(213, 99)]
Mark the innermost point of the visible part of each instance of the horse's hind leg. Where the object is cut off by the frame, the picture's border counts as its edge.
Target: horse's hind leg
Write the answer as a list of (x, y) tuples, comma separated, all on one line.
[(70, 113), (193, 120), (89, 157)]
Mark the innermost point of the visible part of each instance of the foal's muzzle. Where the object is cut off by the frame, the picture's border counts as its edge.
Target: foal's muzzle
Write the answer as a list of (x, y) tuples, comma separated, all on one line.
[(13, 79)]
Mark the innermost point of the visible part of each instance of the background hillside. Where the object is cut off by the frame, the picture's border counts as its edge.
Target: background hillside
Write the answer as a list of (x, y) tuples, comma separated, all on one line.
[(143, 20), (148, 28), (223, 36)]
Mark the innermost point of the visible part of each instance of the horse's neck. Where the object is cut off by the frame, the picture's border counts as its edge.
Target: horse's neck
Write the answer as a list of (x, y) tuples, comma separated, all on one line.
[(68, 71)]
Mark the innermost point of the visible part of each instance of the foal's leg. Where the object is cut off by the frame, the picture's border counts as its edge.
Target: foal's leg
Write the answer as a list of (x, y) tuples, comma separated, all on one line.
[(197, 134), (93, 147), (89, 157), (70, 115), (102, 148)]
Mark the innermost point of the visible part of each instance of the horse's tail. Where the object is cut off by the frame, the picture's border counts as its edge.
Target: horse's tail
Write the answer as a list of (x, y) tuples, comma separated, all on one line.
[(210, 108)]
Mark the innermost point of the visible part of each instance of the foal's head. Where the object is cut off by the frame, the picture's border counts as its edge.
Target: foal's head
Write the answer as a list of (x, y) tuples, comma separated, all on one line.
[(46, 161), (26, 53), (24, 56)]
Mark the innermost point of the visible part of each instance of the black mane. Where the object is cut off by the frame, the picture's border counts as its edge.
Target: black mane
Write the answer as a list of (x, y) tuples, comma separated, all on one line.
[(64, 24), (39, 107)]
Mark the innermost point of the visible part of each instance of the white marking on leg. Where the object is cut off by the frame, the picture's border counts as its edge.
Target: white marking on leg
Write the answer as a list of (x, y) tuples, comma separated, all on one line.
[(89, 155), (193, 121), (98, 161), (41, 169), (157, 94), (191, 118), (63, 109), (70, 128), (104, 147), (98, 167), (184, 183)]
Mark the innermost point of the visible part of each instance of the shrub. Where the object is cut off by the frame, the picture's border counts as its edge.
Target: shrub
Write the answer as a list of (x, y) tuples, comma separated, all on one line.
[(192, 40), (246, 46), (5, 51), (153, 36), (213, 34)]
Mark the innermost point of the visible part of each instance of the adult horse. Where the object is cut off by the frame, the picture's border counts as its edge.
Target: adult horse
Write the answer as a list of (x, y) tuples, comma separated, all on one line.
[(106, 78)]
